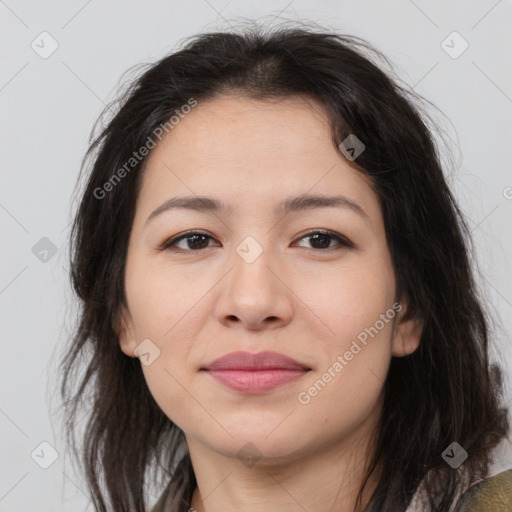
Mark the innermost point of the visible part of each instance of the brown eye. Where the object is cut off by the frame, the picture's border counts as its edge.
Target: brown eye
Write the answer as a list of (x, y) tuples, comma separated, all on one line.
[(321, 240), (194, 241)]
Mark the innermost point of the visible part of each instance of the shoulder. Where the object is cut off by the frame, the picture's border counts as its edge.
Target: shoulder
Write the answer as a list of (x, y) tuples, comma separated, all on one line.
[(493, 494)]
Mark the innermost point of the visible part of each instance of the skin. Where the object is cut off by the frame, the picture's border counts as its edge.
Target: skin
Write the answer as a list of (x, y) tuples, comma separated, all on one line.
[(302, 300)]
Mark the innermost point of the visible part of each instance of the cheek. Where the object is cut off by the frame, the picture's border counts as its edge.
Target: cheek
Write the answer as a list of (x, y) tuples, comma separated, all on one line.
[(167, 386), (169, 316), (346, 388), (339, 405), (161, 298), (349, 299), (359, 310)]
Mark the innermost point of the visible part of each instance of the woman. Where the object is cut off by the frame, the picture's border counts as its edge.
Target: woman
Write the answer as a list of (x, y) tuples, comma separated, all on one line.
[(276, 292)]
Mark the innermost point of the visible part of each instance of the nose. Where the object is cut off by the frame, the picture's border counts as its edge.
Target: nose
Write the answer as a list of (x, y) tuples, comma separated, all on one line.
[(255, 294)]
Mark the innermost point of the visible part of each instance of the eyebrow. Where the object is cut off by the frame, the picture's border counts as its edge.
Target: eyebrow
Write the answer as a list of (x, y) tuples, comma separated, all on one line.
[(289, 205)]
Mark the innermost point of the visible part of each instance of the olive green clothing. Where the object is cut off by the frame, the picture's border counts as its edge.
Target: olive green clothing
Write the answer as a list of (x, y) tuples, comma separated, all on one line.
[(493, 494)]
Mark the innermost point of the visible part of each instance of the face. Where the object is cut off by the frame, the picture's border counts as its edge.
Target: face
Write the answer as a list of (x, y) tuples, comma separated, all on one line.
[(312, 283)]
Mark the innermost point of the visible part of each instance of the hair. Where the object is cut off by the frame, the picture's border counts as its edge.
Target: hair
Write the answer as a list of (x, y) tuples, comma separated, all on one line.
[(447, 390)]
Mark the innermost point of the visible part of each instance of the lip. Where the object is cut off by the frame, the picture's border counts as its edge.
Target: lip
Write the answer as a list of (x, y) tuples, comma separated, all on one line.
[(255, 373)]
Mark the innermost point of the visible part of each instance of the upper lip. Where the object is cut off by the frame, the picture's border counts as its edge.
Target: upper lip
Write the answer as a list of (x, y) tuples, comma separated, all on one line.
[(250, 362)]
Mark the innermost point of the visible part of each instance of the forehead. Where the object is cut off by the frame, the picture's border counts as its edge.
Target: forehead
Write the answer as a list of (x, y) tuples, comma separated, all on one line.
[(251, 151), (234, 128)]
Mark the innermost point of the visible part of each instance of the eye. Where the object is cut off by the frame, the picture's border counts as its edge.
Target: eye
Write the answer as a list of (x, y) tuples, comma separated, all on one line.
[(194, 241), (322, 238)]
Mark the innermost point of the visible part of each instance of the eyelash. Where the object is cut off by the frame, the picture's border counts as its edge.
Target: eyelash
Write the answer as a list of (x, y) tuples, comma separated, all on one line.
[(171, 242)]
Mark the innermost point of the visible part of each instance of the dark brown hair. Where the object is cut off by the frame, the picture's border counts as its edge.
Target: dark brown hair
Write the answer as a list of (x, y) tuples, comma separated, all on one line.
[(445, 391)]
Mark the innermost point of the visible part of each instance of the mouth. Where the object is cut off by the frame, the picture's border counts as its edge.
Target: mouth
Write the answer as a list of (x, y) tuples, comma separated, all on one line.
[(255, 373)]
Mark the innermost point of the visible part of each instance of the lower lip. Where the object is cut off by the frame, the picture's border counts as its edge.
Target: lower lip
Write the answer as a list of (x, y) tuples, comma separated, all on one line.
[(258, 381)]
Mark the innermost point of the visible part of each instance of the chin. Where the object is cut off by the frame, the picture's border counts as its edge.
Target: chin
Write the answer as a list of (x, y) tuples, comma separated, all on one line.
[(257, 447)]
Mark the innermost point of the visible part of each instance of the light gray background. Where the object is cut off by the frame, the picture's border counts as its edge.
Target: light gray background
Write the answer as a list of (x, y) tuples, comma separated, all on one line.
[(48, 107)]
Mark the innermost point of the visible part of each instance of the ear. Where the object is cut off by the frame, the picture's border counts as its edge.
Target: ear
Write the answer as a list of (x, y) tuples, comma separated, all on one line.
[(126, 332), (407, 335)]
